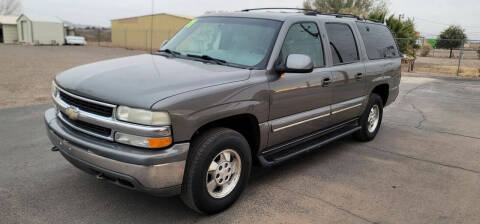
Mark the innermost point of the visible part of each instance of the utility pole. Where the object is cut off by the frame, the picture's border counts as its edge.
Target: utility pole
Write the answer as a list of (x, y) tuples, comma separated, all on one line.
[(151, 30)]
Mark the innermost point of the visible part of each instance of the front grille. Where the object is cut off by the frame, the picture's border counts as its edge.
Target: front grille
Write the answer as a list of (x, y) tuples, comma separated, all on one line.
[(88, 127), (87, 106)]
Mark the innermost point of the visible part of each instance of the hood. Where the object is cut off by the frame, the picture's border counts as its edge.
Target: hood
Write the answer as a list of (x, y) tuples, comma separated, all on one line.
[(142, 80)]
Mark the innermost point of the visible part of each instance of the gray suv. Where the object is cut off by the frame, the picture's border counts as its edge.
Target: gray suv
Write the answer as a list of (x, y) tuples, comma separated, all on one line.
[(227, 91)]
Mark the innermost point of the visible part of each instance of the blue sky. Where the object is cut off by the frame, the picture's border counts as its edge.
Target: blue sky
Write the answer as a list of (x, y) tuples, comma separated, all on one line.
[(430, 16)]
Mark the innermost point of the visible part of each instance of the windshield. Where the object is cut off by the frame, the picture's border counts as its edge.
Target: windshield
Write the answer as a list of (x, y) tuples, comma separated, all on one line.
[(241, 41)]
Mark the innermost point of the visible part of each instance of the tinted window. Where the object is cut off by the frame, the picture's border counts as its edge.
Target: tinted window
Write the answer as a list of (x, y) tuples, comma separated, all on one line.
[(304, 38), (342, 43), (378, 41)]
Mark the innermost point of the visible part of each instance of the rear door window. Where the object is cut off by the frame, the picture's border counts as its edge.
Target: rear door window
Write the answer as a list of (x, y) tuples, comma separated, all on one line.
[(342, 43), (378, 41)]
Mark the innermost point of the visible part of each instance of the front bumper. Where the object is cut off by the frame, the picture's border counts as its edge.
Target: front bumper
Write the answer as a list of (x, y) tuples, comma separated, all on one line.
[(155, 171)]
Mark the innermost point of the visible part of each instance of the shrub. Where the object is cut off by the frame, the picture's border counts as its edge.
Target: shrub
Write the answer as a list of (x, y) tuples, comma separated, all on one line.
[(425, 51), (478, 53)]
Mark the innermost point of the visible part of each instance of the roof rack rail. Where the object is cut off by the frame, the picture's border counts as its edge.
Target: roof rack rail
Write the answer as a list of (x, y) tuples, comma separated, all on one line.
[(373, 20), (345, 15), (299, 9), (341, 15), (313, 12)]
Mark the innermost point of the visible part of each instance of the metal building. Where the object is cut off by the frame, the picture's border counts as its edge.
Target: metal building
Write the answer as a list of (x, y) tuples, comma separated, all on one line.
[(8, 29), (40, 30), (135, 32)]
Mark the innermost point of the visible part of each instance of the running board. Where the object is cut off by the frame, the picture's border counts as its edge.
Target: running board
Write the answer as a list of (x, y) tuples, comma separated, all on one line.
[(287, 151)]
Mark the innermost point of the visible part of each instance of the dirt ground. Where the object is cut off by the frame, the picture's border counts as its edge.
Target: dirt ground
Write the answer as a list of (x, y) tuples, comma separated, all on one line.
[(26, 72)]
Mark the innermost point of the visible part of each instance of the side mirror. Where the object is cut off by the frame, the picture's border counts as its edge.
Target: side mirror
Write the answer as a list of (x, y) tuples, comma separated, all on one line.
[(297, 63)]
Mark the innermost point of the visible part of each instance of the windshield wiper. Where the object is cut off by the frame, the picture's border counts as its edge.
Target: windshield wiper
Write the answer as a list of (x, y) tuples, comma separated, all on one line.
[(171, 52), (208, 58)]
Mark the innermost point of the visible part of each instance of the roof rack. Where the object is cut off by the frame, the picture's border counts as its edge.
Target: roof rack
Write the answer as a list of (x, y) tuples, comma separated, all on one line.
[(312, 12), (299, 9), (342, 15), (373, 20)]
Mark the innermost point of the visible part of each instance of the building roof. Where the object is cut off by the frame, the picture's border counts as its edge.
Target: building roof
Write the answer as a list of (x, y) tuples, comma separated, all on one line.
[(38, 18), (184, 17), (12, 20)]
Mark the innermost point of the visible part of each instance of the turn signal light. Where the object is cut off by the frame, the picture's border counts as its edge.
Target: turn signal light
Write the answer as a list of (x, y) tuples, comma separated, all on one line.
[(159, 142), (144, 142)]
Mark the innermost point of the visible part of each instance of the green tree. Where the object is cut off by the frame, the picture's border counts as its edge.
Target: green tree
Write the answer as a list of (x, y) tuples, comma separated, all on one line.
[(451, 38), (403, 31), (358, 7)]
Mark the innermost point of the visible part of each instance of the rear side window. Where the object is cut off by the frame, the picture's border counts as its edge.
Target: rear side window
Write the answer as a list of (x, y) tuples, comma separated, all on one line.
[(304, 38), (342, 43), (378, 41)]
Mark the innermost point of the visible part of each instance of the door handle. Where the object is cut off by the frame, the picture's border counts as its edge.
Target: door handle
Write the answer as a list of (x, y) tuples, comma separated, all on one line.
[(359, 76), (326, 82)]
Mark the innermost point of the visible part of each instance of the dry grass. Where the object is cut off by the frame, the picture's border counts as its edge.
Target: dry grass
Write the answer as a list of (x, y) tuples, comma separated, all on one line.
[(446, 66), (447, 70)]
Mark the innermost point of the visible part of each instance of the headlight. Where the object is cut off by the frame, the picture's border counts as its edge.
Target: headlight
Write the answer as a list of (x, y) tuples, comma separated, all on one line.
[(140, 116), (54, 89)]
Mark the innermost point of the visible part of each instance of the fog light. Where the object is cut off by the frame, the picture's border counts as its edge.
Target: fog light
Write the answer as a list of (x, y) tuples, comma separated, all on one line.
[(144, 142)]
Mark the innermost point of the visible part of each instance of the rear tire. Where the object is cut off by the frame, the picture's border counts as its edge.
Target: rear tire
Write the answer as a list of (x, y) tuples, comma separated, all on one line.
[(371, 119), (217, 171)]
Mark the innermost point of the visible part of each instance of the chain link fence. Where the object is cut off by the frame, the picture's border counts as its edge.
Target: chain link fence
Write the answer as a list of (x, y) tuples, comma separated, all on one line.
[(96, 37), (441, 56), (128, 39)]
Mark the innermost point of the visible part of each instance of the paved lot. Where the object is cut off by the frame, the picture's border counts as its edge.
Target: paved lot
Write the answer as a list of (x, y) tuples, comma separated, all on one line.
[(422, 168)]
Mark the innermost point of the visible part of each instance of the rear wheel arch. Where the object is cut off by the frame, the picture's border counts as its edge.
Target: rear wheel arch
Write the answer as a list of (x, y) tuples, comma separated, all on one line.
[(383, 91)]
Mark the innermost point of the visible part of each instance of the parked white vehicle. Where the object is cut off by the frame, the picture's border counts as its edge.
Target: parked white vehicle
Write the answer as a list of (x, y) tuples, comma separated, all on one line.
[(75, 40)]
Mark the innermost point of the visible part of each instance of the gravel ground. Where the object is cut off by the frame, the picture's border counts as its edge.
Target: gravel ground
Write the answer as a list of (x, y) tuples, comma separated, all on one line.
[(27, 71), (422, 168)]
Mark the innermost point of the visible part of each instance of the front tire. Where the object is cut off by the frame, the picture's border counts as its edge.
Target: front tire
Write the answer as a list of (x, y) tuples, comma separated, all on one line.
[(217, 171), (371, 119)]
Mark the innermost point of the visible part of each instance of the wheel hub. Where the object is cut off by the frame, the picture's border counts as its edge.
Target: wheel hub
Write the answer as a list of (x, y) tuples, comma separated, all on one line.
[(373, 118), (223, 173)]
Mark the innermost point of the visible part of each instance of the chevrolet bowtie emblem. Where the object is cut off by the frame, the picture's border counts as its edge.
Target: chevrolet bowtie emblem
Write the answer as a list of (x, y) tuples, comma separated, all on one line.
[(72, 113)]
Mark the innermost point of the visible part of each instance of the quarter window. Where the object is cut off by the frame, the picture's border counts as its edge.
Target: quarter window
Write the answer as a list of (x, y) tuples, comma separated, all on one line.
[(378, 41), (304, 38), (342, 43)]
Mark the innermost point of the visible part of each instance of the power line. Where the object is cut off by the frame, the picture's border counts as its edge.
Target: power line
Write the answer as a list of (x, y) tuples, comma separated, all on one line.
[(444, 24)]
